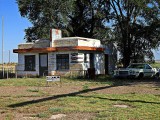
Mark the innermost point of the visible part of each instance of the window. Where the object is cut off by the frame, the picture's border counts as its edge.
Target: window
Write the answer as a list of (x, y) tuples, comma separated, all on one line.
[(147, 66), (62, 61), (85, 57), (30, 63), (139, 66)]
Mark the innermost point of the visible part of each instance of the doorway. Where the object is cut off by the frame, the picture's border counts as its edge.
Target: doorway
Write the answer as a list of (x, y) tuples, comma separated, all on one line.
[(43, 64), (106, 64), (91, 60)]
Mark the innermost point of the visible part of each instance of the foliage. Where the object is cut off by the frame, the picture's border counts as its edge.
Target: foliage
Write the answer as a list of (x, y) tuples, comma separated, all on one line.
[(74, 17), (136, 28), (133, 25), (156, 65)]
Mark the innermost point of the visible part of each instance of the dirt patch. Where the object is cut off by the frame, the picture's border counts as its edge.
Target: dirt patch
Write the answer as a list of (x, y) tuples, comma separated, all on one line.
[(28, 93), (134, 87), (79, 116)]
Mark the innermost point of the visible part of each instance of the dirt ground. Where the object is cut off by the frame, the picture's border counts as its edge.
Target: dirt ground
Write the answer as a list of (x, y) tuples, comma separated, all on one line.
[(140, 87), (152, 87)]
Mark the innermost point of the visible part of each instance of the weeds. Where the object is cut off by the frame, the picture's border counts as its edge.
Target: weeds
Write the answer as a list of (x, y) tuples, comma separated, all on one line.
[(42, 115), (101, 106)]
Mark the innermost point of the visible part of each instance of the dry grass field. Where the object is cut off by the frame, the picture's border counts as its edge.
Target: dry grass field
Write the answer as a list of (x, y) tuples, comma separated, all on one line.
[(9, 70), (101, 99)]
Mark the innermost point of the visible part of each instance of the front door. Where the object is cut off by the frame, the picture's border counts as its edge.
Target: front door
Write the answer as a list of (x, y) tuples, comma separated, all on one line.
[(43, 64), (91, 60)]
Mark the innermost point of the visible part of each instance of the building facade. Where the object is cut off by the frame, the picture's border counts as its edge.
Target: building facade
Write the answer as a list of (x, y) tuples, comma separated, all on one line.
[(64, 56)]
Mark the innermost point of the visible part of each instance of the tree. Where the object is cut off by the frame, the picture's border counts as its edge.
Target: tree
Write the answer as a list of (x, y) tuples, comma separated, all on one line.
[(84, 18), (136, 25)]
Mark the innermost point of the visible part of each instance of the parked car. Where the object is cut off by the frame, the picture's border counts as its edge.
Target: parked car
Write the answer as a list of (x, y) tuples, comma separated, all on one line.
[(137, 70)]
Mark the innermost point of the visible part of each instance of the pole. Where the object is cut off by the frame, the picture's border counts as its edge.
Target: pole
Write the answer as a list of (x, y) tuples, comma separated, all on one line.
[(9, 57), (2, 45), (8, 65)]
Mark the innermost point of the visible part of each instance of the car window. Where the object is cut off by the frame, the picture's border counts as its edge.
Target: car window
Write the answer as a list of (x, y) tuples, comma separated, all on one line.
[(147, 66), (139, 66)]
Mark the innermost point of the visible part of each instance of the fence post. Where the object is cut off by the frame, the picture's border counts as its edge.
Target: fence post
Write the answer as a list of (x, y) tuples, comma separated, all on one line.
[(16, 74), (7, 73)]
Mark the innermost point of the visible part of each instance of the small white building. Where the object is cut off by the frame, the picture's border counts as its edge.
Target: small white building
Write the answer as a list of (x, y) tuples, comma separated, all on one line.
[(64, 56)]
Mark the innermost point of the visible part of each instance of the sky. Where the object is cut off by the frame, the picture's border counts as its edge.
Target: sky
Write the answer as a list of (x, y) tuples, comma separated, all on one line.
[(14, 26)]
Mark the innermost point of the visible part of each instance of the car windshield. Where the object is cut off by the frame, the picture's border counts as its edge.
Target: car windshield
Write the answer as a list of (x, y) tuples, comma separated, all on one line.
[(140, 66)]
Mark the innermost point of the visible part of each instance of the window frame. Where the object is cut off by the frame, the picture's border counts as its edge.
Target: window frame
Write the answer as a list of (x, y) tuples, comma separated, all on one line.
[(62, 61), (85, 58), (27, 65)]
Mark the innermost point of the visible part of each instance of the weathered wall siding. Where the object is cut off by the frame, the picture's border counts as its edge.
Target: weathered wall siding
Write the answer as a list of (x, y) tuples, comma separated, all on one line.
[(38, 44), (86, 64), (76, 66), (64, 43), (51, 62), (25, 45), (76, 41), (89, 43), (76, 57), (21, 65), (99, 63), (41, 44)]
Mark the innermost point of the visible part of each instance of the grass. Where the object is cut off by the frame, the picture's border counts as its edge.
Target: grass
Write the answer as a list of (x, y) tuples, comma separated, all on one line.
[(22, 82), (156, 65), (101, 106)]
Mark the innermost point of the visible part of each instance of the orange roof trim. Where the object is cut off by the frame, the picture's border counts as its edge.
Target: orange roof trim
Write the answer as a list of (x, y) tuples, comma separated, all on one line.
[(54, 49)]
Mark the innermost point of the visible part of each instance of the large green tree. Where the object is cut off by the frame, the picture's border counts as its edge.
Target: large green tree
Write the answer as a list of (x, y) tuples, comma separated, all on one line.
[(136, 26), (84, 18)]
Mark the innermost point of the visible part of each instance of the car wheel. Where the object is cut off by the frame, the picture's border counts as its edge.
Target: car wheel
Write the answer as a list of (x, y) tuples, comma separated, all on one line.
[(156, 76), (140, 76)]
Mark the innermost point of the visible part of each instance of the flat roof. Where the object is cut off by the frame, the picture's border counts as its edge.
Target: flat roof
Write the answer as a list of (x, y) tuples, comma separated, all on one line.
[(55, 49), (75, 38)]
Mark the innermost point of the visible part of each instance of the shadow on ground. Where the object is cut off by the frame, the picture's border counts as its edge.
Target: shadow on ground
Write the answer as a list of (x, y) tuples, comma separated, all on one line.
[(115, 83)]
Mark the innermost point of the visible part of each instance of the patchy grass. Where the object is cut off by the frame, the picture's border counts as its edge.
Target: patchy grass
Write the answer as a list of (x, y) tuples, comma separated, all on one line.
[(23, 82), (140, 106), (42, 101), (156, 65), (41, 115)]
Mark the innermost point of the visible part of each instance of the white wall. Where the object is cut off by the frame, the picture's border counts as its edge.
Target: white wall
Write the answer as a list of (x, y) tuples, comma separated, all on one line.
[(86, 64), (81, 65), (99, 63), (52, 61), (21, 65), (76, 41), (89, 42)]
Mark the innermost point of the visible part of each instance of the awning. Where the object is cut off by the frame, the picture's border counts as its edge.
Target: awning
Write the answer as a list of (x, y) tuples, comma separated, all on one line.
[(55, 49)]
